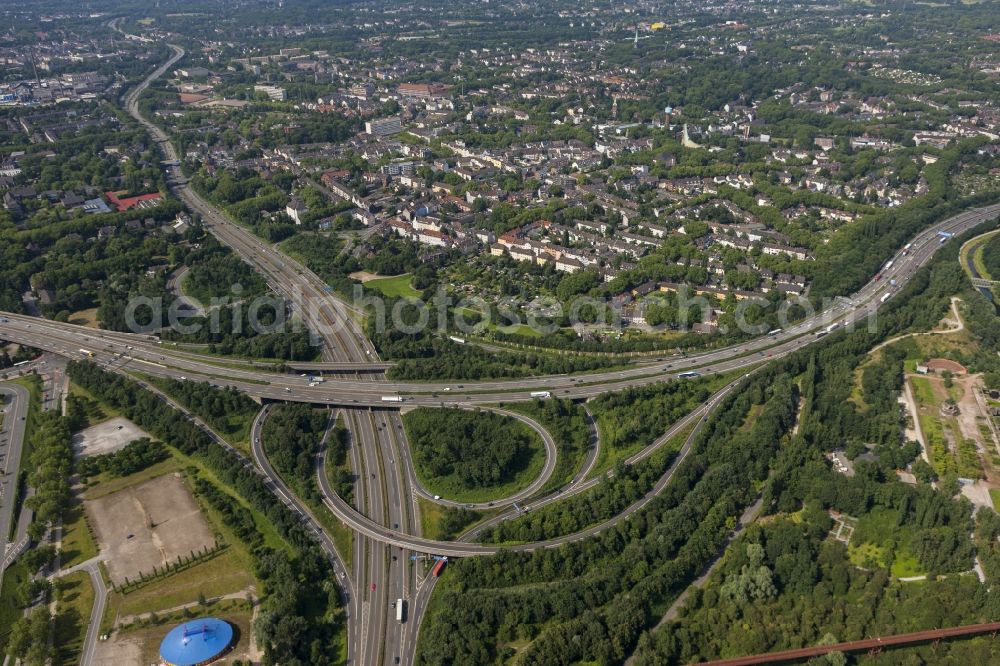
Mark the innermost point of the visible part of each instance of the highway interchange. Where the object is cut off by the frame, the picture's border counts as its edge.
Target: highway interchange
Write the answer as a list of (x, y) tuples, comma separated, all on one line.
[(385, 514)]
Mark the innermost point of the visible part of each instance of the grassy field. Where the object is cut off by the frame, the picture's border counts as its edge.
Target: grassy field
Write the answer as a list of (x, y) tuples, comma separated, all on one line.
[(923, 392), (230, 571), (223, 574), (75, 601), (431, 515), (430, 518), (102, 484), (271, 537), (235, 612), (959, 459), (77, 541), (396, 286), (520, 329)]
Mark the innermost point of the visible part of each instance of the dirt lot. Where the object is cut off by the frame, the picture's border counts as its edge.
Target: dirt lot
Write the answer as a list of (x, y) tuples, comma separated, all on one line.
[(86, 318), (971, 417), (365, 276), (147, 525), (106, 437), (141, 646), (125, 650)]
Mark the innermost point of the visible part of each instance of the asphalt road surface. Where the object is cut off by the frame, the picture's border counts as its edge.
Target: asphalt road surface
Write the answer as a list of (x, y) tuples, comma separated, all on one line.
[(122, 349), (15, 413), (386, 519)]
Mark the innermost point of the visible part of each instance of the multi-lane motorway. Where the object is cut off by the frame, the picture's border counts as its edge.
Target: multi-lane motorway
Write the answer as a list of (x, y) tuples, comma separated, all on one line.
[(386, 519), (14, 399), (385, 515), (340, 337), (138, 353)]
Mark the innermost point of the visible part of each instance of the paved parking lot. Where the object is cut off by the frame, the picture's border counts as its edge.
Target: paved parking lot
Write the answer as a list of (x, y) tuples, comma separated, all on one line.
[(106, 437)]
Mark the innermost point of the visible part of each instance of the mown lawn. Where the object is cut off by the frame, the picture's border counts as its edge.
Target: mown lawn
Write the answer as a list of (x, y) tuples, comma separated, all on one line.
[(396, 286), (223, 574)]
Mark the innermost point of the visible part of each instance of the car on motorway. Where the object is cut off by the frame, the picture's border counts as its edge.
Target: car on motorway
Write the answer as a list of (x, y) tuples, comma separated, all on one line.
[(437, 497)]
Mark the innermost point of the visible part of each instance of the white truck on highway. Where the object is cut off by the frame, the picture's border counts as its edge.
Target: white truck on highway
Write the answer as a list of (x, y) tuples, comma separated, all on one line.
[(392, 398), (541, 394)]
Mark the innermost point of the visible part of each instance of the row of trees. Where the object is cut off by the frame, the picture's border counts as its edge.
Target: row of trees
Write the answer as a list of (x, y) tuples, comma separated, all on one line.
[(590, 600), (49, 463), (135, 456), (600, 590), (422, 356), (299, 619), (225, 409)]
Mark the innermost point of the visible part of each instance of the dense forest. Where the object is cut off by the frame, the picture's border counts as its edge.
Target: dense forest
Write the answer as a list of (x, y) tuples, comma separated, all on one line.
[(637, 416), (591, 600), (292, 436), (478, 449), (215, 272), (784, 584), (567, 423), (136, 455), (231, 330), (227, 410)]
